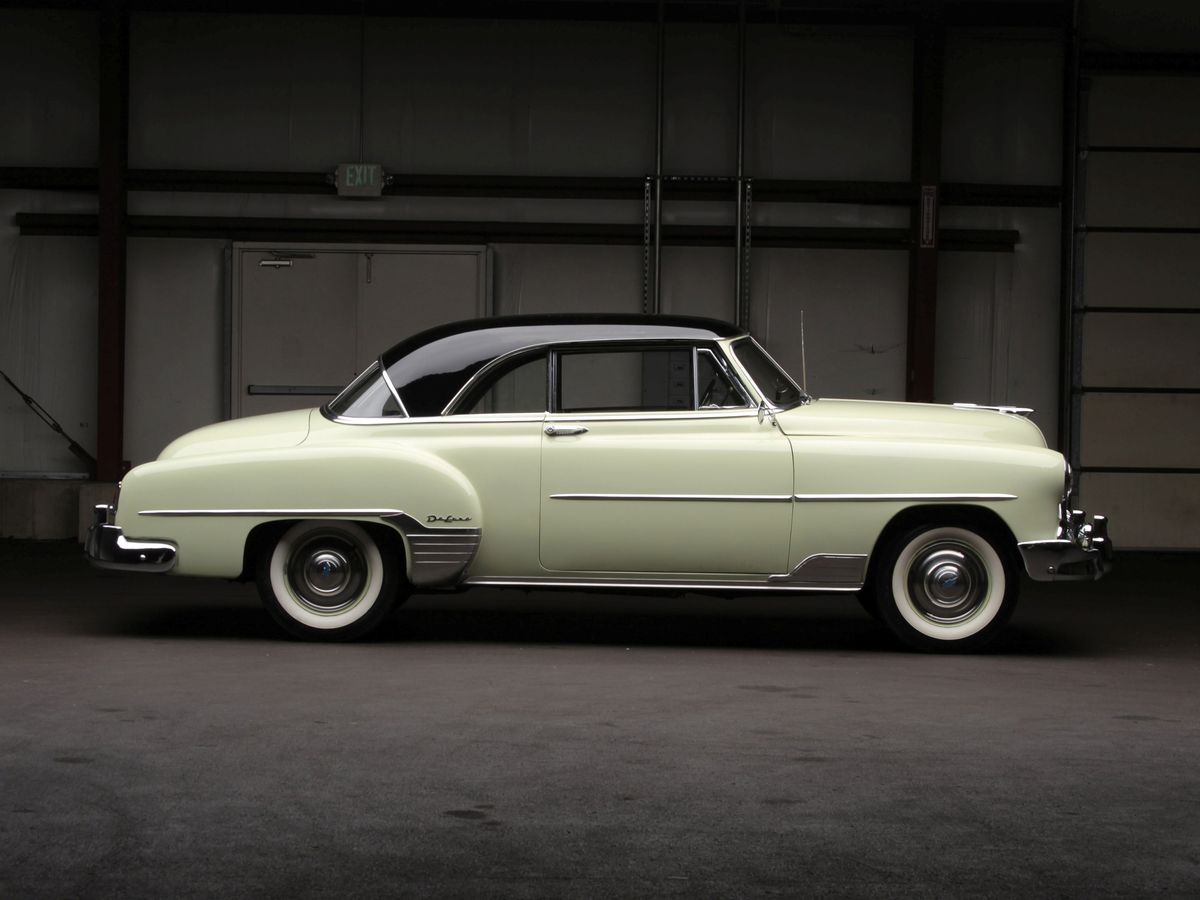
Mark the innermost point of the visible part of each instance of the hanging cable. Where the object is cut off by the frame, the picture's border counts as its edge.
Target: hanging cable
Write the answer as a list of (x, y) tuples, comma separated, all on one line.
[(40, 412)]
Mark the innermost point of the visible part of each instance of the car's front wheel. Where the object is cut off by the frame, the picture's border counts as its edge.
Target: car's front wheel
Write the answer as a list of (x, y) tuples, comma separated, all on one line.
[(944, 587), (330, 581)]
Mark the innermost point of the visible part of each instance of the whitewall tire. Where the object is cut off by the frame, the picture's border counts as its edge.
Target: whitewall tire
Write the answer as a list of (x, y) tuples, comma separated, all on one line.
[(944, 588), (328, 581)]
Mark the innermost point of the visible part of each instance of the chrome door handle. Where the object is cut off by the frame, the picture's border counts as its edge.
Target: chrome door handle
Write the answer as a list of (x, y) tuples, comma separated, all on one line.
[(561, 430)]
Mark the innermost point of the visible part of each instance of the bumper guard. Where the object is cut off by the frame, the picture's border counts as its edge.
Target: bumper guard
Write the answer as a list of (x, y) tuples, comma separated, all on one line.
[(1080, 553), (108, 548)]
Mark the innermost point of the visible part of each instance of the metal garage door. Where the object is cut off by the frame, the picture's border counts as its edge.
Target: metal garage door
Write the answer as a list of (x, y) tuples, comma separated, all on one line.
[(1136, 353), (306, 319)]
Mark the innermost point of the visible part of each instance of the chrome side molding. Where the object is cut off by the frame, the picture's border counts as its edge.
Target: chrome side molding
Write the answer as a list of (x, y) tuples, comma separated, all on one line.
[(439, 556), (1010, 410)]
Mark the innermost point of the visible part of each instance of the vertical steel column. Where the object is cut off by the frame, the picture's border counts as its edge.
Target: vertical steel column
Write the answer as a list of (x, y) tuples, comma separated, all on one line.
[(928, 62), (114, 161), (656, 306), (742, 302), (1077, 301), (647, 230), (1069, 215)]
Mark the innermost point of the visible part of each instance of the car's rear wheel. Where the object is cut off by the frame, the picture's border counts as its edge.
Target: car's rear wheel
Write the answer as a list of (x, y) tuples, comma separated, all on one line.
[(328, 581), (944, 587)]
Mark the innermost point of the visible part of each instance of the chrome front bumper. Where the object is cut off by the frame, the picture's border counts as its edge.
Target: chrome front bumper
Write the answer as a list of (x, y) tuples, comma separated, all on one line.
[(108, 548), (1082, 552)]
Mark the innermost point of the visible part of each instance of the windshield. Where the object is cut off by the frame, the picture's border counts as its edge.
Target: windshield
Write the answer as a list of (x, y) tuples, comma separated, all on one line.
[(773, 383)]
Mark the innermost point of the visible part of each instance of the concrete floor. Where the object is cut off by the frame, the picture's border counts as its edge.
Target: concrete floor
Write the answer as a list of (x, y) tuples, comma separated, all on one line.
[(157, 739)]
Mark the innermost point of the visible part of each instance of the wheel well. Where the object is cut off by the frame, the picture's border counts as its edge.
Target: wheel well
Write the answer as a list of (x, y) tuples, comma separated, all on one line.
[(977, 517), (265, 535)]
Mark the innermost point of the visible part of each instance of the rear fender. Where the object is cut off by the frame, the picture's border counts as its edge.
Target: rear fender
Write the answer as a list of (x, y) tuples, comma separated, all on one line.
[(209, 505)]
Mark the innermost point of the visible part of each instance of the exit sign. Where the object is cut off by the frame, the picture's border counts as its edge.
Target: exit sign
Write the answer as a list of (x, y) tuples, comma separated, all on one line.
[(359, 179)]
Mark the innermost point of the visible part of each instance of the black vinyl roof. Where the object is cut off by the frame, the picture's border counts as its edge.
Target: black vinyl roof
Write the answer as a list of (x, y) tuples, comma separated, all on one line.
[(507, 333)]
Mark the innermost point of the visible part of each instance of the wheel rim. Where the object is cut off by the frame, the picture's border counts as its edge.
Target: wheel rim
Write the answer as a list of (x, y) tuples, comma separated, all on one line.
[(947, 582), (327, 572)]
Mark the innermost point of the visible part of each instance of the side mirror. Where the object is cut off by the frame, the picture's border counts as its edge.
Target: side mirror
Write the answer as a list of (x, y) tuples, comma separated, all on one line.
[(764, 412)]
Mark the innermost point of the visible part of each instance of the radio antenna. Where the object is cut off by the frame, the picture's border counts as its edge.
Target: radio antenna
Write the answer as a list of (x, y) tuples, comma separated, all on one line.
[(803, 357)]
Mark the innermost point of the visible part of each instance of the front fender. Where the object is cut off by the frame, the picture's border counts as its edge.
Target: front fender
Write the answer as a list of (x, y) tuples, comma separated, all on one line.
[(848, 490)]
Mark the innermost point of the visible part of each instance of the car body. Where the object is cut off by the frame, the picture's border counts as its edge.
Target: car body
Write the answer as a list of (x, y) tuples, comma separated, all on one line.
[(608, 452)]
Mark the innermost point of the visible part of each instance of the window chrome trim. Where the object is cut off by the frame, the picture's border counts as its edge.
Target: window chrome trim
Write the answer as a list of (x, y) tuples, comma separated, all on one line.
[(327, 409), (772, 406), (723, 365), (695, 377), (660, 416), (687, 498), (531, 351), (391, 387), (889, 498), (486, 419)]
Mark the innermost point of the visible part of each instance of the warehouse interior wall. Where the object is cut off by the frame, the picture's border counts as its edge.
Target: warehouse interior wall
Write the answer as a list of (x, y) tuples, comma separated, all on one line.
[(549, 98)]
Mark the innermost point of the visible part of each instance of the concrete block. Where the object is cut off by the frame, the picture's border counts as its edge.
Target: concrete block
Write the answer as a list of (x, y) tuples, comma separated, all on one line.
[(16, 508), (55, 504), (43, 509)]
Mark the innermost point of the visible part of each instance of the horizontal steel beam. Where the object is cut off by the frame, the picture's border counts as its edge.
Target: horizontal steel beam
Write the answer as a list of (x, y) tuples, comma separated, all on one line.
[(1141, 63), (1140, 470), (860, 13), (1142, 310), (1138, 148), (1137, 229), (675, 187), (250, 228)]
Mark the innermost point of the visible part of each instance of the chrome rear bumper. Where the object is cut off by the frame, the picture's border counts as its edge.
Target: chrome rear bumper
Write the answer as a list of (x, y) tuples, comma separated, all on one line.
[(1080, 553), (108, 548)]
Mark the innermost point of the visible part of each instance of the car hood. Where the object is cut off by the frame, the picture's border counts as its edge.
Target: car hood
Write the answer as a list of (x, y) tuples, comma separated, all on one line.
[(285, 429), (920, 421)]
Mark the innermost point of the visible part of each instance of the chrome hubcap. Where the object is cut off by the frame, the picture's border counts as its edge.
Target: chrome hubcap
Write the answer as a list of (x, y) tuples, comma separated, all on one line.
[(947, 583), (326, 573)]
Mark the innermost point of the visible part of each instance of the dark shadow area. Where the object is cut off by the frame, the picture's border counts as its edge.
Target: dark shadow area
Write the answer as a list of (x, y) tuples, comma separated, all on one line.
[(1148, 604), (221, 623), (818, 627)]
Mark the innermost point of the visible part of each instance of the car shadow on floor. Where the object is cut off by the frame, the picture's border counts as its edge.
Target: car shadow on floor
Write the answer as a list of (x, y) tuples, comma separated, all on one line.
[(841, 630)]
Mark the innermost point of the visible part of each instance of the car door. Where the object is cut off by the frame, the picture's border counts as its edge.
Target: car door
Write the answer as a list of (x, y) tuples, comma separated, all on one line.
[(645, 469)]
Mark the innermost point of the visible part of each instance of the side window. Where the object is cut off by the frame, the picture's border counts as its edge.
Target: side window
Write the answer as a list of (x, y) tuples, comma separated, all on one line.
[(715, 388), (651, 379), (517, 387)]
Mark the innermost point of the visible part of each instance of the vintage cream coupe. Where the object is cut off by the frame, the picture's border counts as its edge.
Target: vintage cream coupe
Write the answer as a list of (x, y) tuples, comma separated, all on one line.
[(608, 452)]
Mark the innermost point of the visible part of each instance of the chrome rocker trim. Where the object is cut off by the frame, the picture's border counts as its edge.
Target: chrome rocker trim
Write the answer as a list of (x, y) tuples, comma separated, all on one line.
[(826, 571), (676, 585), (1080, 553), (821, 573), (107, 547)]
